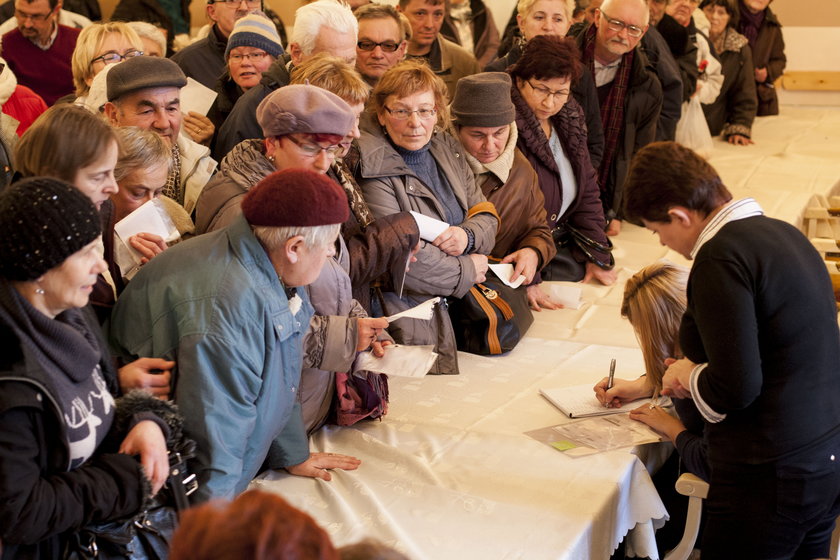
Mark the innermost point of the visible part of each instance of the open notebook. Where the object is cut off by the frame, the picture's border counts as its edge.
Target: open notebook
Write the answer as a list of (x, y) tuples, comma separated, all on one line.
[(579, 402)]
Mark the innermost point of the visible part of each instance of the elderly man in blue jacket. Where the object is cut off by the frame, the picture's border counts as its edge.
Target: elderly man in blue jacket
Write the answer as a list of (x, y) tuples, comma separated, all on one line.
[(225, 306)]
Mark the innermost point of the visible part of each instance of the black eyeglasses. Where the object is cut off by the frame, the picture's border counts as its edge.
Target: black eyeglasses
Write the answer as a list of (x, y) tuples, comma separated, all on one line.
[(113, 58), (387, 46), (617, 25)]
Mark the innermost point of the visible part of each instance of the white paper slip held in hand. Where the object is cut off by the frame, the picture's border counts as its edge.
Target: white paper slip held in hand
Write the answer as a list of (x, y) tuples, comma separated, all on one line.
[(399, 361), (568, 294), (423, 311), (429, 228), (151, 217), (197, 97), (504, 272), (579, 401)]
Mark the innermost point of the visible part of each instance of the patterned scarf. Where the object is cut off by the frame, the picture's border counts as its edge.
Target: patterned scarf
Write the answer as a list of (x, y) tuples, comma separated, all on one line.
[(612, 111), (173, 189), (357, 202)]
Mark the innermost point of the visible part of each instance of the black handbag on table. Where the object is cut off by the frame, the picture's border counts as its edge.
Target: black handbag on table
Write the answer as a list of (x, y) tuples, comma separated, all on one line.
[(491, 319)]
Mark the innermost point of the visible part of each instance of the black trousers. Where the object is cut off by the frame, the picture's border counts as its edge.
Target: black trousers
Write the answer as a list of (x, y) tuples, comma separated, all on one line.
[(774, 511)]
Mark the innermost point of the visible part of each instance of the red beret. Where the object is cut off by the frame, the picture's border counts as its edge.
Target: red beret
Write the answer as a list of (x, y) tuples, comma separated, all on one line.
[(296, 197)]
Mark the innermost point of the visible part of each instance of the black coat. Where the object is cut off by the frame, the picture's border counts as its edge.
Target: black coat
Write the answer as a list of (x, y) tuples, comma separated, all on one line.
[(41, 503), (204, 60)]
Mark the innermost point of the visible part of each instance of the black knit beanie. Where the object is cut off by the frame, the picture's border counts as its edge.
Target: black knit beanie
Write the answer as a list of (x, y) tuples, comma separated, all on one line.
[(42, 222)]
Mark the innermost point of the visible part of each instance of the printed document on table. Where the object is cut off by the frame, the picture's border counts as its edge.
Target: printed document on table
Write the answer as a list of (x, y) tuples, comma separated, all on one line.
[(594, 435), (423, 311), (399, 360)]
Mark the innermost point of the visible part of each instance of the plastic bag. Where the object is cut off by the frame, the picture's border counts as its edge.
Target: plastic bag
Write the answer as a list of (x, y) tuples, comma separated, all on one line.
[(692, 129)]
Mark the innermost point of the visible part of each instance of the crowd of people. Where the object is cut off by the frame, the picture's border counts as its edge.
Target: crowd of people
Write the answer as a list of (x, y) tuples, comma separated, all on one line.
[(292, 202)]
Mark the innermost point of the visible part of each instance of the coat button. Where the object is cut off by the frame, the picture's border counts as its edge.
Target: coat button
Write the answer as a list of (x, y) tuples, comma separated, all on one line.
[(553, 217), (832, 457), (38, 397)]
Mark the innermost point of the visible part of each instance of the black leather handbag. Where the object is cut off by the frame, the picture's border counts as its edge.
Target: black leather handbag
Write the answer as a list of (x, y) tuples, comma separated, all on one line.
[(491, 319), (145, 536)]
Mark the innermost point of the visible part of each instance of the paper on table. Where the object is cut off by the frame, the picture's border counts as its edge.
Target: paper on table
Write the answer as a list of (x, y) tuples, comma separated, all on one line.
[(430, 228), (422, 311), (567, 293), (197, 97), (399, 361), (151, 217), (504, 272), (579, 401), (593, 435)]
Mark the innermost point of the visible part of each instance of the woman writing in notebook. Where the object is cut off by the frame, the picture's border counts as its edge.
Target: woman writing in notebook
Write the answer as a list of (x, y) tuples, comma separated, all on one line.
[(654, 302)]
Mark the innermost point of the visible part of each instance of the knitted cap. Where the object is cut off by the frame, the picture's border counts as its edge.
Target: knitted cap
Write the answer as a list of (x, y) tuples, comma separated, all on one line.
[(304, 109), (42, 222), (295, 197), (483, 100), (257, 31), (141, 72)]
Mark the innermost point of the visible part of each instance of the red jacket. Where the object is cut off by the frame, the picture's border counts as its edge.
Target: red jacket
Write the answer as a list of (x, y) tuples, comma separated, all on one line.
[(25, 106)]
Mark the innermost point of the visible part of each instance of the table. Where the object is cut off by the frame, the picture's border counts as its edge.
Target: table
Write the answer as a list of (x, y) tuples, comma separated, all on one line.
[(449, 474)]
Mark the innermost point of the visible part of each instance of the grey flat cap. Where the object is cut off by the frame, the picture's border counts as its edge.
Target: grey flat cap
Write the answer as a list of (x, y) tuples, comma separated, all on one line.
[(304, 108), (141, 72), (483, 100)]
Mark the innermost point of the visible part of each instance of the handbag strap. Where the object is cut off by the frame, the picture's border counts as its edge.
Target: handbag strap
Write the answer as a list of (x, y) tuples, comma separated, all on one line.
[(496, 299), (478, 292)]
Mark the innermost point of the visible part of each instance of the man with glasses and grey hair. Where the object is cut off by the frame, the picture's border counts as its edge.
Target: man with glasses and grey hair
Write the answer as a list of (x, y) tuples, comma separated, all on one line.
[(204, 60), (39, 50), (629, 93)]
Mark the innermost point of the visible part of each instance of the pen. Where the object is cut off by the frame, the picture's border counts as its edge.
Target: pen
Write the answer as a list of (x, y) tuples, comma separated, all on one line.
[(611, 377)]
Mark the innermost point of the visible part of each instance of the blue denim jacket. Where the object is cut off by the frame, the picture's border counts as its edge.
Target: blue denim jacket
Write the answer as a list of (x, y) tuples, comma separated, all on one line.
[(215, 306)]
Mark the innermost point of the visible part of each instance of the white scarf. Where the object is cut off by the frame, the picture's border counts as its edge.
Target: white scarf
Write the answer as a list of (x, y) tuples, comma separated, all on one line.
[(500, 167), (735, 210)]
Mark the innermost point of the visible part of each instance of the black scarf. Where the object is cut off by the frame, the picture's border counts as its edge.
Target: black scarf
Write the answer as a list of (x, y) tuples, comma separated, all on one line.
[(64, 343)]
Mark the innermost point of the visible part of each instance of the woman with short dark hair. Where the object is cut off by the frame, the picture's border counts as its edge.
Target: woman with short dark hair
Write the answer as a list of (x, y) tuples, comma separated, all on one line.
[(552, 136)]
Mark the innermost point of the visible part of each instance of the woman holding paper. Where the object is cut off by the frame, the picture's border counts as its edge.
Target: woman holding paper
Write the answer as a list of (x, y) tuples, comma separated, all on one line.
[(408, 163), (86, 159), (553, 137)]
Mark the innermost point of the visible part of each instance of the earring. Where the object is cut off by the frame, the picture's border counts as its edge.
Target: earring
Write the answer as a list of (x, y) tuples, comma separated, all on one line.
[(39, 291), (271, 159)]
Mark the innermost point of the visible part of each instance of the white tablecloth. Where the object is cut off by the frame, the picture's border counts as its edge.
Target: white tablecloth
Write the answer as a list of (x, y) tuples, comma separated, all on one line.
[(449, 474)]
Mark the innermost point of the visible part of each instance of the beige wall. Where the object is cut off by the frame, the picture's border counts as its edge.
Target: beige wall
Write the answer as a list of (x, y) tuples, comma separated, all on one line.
[(799, 13)]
